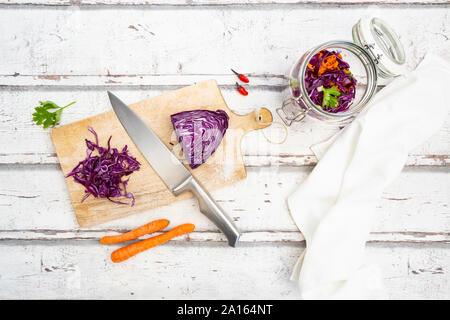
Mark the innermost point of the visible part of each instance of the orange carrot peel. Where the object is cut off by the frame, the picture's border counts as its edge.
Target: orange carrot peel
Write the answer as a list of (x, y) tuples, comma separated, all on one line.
[(136, 233), (127, 252), (329, 63)]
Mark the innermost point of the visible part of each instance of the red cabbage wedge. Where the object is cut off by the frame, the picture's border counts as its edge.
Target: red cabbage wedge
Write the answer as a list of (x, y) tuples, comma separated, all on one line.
[(199, 133)]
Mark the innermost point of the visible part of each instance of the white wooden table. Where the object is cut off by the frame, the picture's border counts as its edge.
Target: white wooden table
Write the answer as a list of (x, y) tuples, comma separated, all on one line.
[(65, 50)]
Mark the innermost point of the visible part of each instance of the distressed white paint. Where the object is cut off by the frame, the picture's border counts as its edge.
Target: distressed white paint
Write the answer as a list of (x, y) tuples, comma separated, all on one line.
[(25, 143), (133, 41), (139, 80), (189, 3), (195, 271), (78, 51), (416, 202), (206, 236), (140, 51)]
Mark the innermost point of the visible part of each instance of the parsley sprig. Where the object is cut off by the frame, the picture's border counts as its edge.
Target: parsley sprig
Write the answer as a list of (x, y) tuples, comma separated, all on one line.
[(330, 97), (43, 115)]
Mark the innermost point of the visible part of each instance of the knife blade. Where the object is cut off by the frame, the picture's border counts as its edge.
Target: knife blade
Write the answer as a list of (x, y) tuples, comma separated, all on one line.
[(174, 174)]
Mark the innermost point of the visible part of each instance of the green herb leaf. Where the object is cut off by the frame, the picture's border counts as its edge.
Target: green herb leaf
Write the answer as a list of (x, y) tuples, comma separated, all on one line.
[(58, 115), (330, 97), (294, 83), (49, 105), (42, 115)]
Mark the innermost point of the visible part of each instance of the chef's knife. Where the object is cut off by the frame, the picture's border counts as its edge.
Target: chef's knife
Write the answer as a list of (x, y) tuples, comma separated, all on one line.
[(177, 178)]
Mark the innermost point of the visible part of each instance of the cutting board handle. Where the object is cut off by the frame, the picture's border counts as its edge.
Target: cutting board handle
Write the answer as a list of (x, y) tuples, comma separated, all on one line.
[(258, 119)]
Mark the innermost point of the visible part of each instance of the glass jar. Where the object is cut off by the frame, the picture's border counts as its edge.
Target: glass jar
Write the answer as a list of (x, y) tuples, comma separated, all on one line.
[(375, 52)]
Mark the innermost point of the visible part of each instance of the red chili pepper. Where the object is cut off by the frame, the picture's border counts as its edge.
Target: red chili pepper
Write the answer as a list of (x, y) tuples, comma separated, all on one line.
[(241, 77), (241, 89)]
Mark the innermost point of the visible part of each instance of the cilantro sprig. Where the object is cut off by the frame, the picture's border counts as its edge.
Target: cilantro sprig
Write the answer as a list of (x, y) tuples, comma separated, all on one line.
[(330, 97), (43, 115)]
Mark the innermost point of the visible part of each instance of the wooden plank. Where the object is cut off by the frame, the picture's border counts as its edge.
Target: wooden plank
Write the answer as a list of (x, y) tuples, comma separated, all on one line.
[(272, 81), (25, 143), (141, 44), (65, 270), (193, 3), (36, 2), (210, 236), (35, 205), (414, 160)]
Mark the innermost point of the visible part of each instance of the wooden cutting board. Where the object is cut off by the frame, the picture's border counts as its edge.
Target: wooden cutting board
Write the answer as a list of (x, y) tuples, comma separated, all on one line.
[(224, 167)]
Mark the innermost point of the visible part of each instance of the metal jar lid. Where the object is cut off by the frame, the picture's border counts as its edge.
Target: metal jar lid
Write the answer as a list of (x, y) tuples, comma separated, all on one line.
[(383, 45)]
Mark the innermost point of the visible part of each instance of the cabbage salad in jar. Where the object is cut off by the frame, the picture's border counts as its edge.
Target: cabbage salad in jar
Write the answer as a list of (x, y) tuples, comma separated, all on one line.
[(329, 81)]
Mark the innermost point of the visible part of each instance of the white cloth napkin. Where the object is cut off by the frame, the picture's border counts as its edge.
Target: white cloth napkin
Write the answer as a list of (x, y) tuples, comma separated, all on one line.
[(334, 206)]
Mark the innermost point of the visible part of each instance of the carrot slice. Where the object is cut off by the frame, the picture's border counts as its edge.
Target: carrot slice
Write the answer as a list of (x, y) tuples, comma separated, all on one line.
[(127, 252), (136, 233)]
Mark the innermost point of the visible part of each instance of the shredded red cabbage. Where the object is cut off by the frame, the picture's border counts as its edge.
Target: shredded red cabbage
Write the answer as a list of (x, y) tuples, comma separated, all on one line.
[(325, 70), (101, 174), (199, 133)]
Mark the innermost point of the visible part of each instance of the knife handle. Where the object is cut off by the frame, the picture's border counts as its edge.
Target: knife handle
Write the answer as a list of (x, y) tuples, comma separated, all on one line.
[(210, 209)]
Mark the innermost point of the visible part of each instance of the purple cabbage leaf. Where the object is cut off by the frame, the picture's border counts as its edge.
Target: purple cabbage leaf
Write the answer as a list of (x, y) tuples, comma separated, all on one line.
[(103, 170), (199, 133)]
